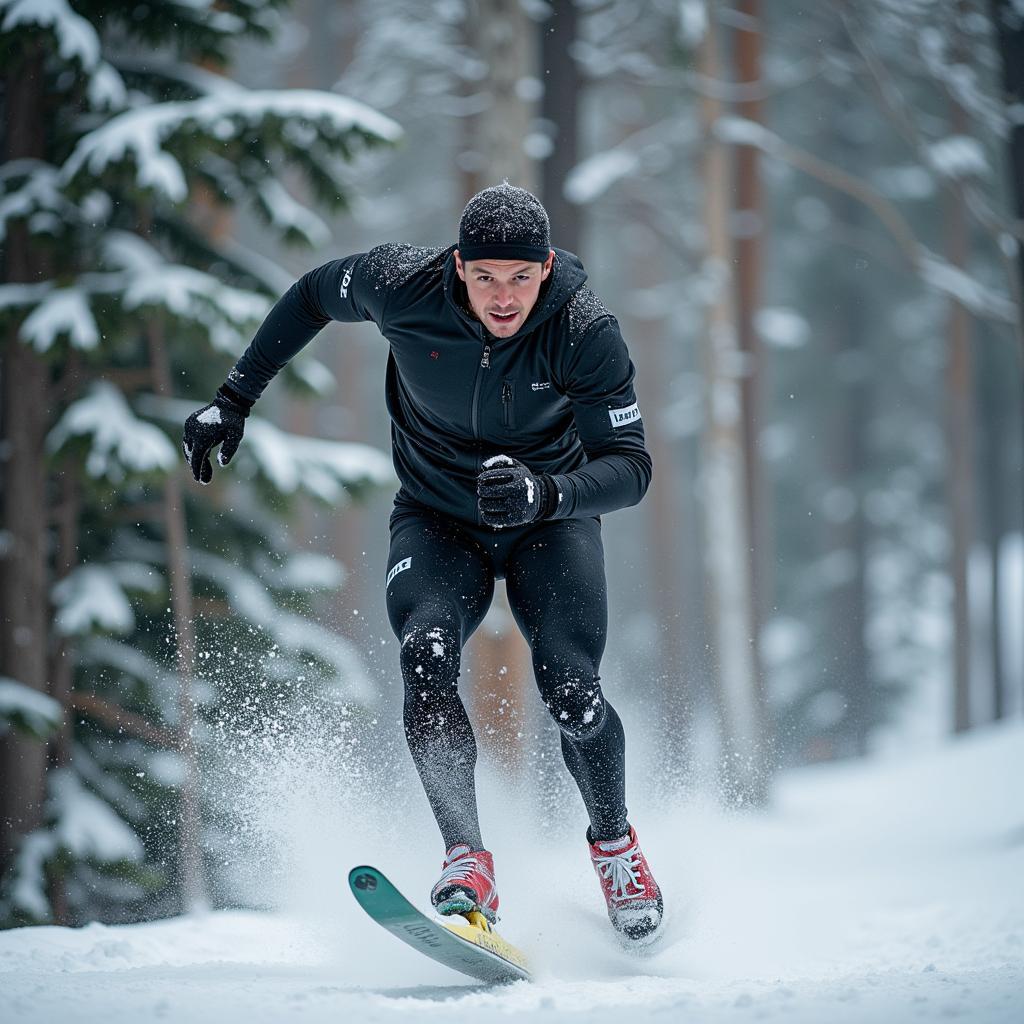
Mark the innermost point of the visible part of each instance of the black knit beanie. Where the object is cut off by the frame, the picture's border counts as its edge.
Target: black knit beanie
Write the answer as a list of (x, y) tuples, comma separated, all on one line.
[(504, 222)]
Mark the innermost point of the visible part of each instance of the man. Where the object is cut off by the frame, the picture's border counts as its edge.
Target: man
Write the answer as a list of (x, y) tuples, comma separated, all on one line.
[(514, 427)]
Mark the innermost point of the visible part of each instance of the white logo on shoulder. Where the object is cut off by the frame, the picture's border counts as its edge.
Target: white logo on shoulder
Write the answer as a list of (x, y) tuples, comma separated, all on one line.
[(542, 385), (620, 417), (345, 282), (397, 568)]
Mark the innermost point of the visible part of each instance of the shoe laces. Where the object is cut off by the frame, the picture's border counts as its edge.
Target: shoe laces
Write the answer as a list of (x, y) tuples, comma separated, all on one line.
[(460, 869), (622, 869)]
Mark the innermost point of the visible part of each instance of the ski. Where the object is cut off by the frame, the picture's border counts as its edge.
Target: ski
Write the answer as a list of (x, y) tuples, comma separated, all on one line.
[(472, 948)]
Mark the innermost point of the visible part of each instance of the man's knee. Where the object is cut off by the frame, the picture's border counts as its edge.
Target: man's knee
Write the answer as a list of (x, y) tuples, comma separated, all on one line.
[(575, 701), (430, 654)]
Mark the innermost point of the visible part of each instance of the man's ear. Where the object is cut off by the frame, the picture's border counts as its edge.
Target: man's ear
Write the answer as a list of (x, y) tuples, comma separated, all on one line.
[(548, 264), (459, 268)]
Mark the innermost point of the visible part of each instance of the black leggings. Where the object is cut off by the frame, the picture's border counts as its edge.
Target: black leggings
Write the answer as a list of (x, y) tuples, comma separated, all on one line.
[(440, 583)]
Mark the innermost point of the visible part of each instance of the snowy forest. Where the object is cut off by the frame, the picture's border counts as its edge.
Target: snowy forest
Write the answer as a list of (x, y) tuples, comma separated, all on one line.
[(809, 222)]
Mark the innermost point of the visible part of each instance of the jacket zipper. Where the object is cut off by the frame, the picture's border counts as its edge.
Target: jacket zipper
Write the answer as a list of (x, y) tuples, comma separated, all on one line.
[(506, 403), (485, 363)]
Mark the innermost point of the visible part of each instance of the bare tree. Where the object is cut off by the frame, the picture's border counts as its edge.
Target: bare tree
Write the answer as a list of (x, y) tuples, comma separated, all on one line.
[(190, 867), (1008, 20), (561, 82), (505, 40), (723, 473), (748, 228), (960, 433)]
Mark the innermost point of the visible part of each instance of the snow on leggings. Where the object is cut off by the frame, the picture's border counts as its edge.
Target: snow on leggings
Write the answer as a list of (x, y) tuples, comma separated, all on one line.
[(440, 582)]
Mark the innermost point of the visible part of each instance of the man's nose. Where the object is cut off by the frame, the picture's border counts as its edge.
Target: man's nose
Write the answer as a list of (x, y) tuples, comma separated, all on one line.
[(504, 295)]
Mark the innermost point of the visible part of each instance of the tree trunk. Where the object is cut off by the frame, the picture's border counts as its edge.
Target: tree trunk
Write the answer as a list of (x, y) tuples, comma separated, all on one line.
[(504, 38), (191, 879), (69, 504), (748, 220), (994, 400), (846, 330), (1009, 27), (960, 427), (673, 690), (24, 577), (724, 477), (846, 643), (560, 78)]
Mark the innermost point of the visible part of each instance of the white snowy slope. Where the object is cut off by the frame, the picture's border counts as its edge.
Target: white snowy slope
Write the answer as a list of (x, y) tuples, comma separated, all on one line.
[(888, 891)]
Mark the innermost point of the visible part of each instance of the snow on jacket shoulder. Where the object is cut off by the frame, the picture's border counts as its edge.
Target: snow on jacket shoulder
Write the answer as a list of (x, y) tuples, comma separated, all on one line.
[(558, 394)]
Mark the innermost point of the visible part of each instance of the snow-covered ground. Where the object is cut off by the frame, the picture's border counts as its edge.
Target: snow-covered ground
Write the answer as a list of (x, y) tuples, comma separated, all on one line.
[(888, 891)]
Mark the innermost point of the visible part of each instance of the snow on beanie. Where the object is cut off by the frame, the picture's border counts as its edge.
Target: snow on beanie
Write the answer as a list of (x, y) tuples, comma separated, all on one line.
[(504, 222)]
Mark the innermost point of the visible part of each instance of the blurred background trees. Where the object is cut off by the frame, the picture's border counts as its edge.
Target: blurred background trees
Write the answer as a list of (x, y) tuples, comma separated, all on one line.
[(809, 222)]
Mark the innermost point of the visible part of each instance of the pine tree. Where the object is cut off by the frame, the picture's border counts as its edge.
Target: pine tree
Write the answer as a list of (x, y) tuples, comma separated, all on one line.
[(121, 145)]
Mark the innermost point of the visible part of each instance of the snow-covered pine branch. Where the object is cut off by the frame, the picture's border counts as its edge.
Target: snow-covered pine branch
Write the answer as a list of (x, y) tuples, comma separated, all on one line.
[(292, 463), (156, 139), (129, 670), (303, 570), (80, 825), (27, 710), (297, 637), (323, 469), (137, 278), (94, 596), (119, 443), (193, 296), (294, 221), (30, 191), (77, 42)]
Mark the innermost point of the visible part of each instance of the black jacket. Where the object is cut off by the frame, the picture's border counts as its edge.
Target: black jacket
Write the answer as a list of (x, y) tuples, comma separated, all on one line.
[(558, 394)]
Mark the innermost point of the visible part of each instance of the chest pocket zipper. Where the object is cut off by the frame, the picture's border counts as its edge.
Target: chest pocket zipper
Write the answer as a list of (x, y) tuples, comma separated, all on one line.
[(508, 413)]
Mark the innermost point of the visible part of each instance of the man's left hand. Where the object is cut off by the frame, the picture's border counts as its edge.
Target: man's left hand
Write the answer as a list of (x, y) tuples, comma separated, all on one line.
[(508, 494)]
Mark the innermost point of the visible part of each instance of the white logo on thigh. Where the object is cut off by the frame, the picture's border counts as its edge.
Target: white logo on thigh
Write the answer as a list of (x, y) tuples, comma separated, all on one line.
[(397, 568), (620, 417)]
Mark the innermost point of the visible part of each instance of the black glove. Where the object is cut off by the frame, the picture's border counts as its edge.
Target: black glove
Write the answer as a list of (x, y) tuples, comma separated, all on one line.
[(222, 422), (508, 494)]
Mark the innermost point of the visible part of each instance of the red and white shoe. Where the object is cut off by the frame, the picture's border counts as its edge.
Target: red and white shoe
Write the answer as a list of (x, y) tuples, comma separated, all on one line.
[(466, 884), (635, 906)]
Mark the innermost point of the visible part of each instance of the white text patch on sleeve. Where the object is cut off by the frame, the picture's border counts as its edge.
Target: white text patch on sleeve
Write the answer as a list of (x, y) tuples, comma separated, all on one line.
[(620, 417), (397, 568)]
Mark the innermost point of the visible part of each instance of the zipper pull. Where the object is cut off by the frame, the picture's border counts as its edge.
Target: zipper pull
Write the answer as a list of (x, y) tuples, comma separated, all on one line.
[(486, 361), (506, 392)]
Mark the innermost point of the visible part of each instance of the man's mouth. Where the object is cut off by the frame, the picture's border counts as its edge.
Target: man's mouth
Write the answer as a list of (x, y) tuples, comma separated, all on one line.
[(503, 318)]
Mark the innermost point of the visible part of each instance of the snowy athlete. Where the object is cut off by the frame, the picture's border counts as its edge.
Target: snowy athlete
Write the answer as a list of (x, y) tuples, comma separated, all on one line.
[(514, 427)]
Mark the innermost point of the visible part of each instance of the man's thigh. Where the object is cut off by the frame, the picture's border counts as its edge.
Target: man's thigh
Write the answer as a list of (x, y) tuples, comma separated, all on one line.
[(556, 586), (436, 570)]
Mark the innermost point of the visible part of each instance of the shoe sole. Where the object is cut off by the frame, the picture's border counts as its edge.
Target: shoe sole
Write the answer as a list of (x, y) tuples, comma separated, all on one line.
[(460, 902), (647, 938)]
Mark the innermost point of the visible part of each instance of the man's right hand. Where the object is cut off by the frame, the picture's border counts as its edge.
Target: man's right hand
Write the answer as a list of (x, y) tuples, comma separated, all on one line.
[(222, 422)]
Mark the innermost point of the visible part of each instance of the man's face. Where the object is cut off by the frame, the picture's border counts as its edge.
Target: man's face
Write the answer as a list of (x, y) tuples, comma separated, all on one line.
[(502, 292)]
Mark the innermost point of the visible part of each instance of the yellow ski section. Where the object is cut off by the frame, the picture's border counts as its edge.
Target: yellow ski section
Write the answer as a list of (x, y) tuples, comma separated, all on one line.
[(480, 933)]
